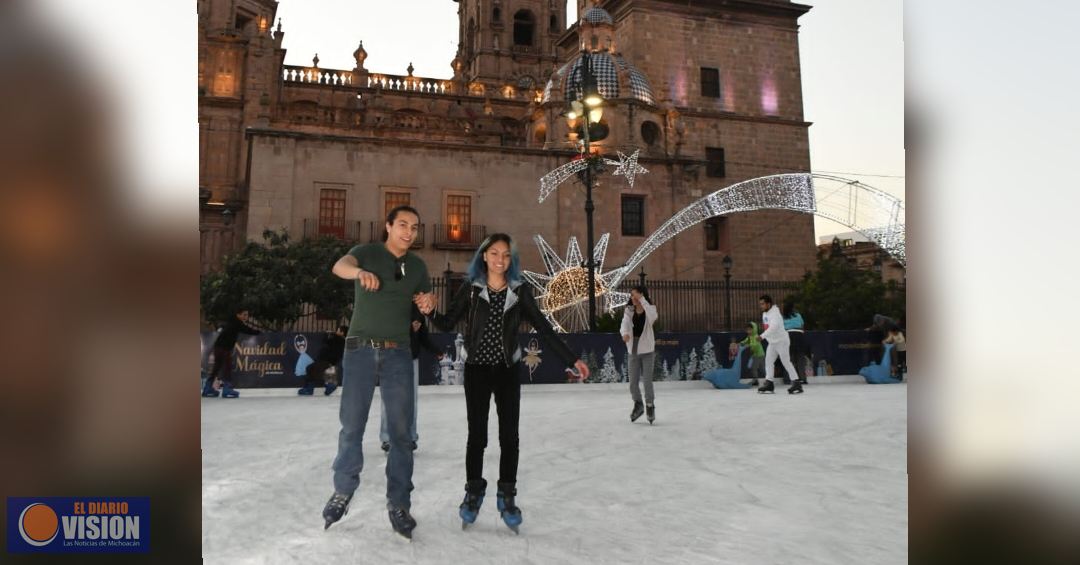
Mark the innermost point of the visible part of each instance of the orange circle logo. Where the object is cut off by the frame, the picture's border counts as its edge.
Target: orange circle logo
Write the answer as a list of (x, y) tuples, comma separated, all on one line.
[(38, 524)]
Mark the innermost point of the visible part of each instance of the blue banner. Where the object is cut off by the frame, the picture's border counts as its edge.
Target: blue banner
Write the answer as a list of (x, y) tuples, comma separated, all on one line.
[(272, 359), (78, 525)]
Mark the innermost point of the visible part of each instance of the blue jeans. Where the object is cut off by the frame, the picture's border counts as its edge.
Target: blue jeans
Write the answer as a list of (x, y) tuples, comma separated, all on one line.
[(384, 436), (363, 366)]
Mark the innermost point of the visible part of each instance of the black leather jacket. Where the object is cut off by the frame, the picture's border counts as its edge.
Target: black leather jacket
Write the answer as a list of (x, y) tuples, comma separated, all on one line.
[(471, 302)]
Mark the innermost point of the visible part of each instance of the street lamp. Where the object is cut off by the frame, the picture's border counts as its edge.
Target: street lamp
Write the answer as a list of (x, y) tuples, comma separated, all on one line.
[(590, 107), (877, 265), (227, 216), (726, 262)]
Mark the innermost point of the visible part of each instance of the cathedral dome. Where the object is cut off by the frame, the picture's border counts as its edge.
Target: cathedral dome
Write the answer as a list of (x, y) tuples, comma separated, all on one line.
[(615, 78), (596, 15)]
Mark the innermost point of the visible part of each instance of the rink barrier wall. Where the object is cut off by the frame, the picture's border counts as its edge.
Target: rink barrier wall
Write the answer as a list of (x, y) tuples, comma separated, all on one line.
[(269, 360)]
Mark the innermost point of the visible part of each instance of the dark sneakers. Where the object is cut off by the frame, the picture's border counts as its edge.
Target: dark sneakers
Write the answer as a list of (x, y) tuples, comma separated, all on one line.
[(336, 507), (402, 521)]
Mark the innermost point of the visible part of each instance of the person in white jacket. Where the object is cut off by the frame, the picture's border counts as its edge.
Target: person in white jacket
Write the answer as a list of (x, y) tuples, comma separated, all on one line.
[(637, 333), (772, 323)]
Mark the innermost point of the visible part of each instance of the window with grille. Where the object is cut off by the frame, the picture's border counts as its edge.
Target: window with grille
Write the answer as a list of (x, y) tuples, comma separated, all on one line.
[(394, 199), (710, 82), (458, 217), (715, 158), (523, 27), (716, 234), (332, 212), (633, 215)]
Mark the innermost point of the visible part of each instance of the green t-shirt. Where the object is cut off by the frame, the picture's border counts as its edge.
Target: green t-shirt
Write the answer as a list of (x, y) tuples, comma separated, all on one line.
[(386, 313)]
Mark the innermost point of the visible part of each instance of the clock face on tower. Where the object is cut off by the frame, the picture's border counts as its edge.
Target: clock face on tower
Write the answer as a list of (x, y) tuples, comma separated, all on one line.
[(525, 82)]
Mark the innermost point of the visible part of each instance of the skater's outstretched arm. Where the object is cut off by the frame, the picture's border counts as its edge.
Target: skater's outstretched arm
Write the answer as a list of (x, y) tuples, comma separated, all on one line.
[(458, 306), (535, 317), (422, 333)]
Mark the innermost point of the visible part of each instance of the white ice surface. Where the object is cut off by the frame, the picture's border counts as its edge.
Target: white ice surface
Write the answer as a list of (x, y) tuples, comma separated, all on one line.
[(721, 477)]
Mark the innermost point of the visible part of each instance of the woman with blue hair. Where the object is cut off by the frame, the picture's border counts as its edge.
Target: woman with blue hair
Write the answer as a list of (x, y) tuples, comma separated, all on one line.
[(494, 303)]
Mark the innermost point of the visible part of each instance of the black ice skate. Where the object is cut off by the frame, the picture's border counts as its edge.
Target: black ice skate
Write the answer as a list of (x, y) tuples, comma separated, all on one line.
[(504, 500), (336, 507), (766, 388), (650, 413), (795, 388), (636, 413), (474, 497), (402, 522)]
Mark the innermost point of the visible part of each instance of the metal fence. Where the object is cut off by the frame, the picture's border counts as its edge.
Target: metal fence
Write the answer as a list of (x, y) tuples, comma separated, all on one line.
[(684, 306)]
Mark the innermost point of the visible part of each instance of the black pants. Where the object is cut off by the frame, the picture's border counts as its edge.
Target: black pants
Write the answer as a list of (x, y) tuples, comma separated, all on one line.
[(481, 381), (222, 365), (316, 374)]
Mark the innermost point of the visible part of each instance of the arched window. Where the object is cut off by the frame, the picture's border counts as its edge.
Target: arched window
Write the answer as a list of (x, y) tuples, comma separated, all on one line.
[(470, 40), (524, 22)]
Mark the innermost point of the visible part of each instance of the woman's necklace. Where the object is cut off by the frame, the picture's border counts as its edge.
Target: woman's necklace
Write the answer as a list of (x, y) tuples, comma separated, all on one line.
[(499, 289)]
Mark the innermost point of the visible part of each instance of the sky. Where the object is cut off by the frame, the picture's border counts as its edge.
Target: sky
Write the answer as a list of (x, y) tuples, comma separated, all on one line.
[(852, 56)]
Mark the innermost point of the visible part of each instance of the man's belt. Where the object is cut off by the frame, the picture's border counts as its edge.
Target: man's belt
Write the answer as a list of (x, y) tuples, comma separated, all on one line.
[(356, 343)]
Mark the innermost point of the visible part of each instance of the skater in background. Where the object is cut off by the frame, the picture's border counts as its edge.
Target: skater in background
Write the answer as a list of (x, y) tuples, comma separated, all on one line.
[(330, 355), (778, 345), (637, 333), (793, 323), (757, 353), (386, 278), (898, 358), (418, 337), (221, 374), (494, 303)]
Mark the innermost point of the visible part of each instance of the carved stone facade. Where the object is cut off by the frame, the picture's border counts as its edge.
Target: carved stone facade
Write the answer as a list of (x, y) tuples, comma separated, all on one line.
[(709, 92)]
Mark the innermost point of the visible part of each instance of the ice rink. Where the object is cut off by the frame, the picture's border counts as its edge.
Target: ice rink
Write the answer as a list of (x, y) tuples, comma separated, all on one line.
[(723, 476)]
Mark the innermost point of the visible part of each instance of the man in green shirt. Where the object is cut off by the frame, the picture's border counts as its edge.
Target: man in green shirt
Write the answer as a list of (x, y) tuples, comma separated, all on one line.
[(386, 276)]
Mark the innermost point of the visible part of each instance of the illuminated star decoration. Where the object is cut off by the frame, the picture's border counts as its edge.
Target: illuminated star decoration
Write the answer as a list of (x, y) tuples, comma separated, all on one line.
[(565, 298), (627, 166), (552, 180)]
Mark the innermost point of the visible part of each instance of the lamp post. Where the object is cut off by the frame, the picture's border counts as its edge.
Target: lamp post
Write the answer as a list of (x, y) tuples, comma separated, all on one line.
[(726, 262), (877, 266), (588, 106)]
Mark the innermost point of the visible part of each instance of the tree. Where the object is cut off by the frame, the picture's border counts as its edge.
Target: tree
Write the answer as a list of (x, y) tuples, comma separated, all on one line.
[(608, 322), (838, 296), (692, 365), (608, 373), (708, 356), (274, 279)]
